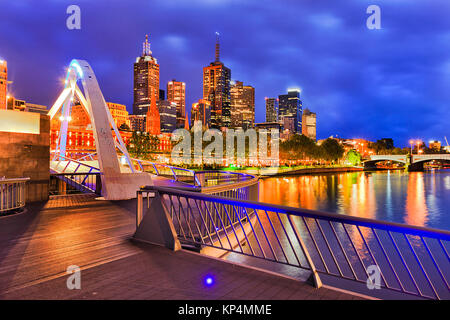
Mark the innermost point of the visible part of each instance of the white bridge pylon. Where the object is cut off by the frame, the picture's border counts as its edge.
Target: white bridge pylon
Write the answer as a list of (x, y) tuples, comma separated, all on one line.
[(115, 184)]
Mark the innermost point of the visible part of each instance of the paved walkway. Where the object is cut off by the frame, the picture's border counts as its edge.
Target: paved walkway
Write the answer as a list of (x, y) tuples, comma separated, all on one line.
[(38, 245)]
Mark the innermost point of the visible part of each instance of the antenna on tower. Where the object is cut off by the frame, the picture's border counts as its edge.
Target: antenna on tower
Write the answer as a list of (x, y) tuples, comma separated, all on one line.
[(146, 47), (217, 47)]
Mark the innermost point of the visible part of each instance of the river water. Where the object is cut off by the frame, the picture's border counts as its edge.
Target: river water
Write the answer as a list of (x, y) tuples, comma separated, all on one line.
[(416, 198)]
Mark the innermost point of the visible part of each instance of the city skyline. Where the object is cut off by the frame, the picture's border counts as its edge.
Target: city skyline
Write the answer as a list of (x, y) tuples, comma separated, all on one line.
[(383, 83)]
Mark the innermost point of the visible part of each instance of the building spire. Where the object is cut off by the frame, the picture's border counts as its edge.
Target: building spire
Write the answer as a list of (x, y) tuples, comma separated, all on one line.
[(146, 47), (153, 118), (186, 120), (217, 47)]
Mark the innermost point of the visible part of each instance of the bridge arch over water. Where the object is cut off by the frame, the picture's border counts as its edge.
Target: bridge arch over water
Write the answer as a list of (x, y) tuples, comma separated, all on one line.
[(413, 162)]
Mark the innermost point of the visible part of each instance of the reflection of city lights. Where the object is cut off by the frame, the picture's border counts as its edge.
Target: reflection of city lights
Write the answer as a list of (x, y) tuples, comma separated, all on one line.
[(61, 118)]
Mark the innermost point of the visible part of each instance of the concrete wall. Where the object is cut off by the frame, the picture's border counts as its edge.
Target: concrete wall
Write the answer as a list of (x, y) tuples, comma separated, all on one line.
[(26, 154)]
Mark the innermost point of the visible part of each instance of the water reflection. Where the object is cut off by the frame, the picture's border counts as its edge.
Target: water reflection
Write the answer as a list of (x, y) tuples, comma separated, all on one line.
[(416, 198), (416, 206)]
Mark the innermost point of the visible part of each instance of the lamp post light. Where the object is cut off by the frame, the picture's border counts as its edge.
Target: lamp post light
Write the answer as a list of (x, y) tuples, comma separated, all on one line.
[(419, 142), (411, 142)]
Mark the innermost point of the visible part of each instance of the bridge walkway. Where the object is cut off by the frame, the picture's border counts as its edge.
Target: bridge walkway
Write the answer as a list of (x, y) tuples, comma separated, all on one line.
[(39, 244)]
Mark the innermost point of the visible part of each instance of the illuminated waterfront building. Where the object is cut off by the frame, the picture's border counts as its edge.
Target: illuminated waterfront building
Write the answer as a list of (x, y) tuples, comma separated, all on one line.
[(216, 90), (138, 122), (290, 106), (248, 114), (3, 84), (21, 105), (119, 113), (167, 115), (271, 109), (80, 136), (435, 145), (15, 104), (36, 108), (309, 120), (242, 105), (201, 111), (146, 80), (176, 93)]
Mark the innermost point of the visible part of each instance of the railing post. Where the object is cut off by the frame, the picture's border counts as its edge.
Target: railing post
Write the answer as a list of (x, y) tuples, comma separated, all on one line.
[(98, 184), (174, 174), (314, 275), (139, 208)]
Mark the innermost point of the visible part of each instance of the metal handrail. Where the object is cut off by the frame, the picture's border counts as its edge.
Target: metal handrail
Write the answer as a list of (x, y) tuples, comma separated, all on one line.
[(193, 173), (86, 182), (410, 259), (12, 193), (69, 161)]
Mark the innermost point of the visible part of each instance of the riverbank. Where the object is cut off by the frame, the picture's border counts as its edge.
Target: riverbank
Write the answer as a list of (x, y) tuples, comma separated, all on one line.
[(305, 171), (286, 171)]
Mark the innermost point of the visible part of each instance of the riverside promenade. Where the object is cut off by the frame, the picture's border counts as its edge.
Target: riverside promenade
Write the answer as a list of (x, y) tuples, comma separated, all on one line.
[(39, 244)]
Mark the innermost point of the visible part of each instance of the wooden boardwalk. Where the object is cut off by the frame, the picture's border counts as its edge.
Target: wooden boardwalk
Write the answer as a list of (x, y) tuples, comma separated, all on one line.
[(37, 246)]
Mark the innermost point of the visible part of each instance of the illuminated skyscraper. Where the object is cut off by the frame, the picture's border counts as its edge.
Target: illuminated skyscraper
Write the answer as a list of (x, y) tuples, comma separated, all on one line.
[(176, 93), (216, 89), (309, 124), (3, 84), (146, 80), (242, 105), (168, 115), (290, 106), (271, 109), (201, 111), (248, 114)]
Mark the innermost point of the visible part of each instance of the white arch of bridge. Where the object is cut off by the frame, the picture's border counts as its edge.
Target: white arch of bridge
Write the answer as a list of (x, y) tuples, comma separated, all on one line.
[(115, 184)]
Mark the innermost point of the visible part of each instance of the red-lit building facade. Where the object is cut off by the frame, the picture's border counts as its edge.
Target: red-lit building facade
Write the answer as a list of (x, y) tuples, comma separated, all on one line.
[(80, 136)]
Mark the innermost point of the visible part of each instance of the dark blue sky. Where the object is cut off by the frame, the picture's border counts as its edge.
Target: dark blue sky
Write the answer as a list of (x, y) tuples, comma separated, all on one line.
[(362, 83)]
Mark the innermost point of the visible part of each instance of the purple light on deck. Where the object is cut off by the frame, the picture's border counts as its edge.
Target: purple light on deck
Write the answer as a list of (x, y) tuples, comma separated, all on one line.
[(208, 281)]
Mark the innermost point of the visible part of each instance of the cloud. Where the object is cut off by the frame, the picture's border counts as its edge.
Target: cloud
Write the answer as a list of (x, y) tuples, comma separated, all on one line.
[(391, 82)]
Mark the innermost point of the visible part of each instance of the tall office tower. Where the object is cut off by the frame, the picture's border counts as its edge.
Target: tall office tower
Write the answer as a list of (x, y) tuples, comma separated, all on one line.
[(271, 109), (216, 89), (290, 106), (242, 105), (236, 103), (146, 80), (248, 114), (3, 84), (153, 125), (309, 124), (176, 92), (201, 111), (168, 115)]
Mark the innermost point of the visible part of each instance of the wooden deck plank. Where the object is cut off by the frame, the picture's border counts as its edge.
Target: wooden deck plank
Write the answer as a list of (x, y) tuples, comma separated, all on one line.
[(37, 246)]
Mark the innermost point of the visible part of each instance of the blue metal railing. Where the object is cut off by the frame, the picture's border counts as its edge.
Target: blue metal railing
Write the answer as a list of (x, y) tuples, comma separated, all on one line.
[(75, 174), (64, 166), (197, 178), (411, 260)]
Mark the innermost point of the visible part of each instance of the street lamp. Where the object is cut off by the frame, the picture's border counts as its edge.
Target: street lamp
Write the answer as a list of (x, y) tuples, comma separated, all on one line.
[(411, 142), (419, 142)]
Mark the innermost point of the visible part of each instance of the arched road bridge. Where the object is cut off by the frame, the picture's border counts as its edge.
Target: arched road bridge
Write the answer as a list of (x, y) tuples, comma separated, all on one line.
[(413, 162)]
